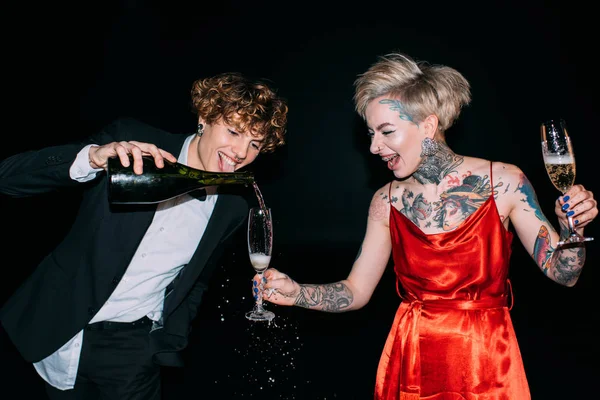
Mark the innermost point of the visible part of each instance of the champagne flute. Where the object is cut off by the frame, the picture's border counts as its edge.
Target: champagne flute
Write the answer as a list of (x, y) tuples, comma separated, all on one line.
[(559, 159), (260, 245)]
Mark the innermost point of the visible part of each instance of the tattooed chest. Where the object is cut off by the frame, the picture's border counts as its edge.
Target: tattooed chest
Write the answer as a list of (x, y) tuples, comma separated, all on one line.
[(448, 210), (423, 212)]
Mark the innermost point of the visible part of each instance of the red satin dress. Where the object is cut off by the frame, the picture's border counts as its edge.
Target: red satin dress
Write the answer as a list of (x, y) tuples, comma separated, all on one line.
[(452, 337)]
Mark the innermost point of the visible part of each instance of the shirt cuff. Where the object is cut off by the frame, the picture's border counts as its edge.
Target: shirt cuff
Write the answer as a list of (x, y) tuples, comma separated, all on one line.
[(80, 170)]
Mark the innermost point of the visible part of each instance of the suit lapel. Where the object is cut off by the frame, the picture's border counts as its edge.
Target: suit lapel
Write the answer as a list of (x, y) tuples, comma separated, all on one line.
[(137, 219), (225, 217), (230, 210)]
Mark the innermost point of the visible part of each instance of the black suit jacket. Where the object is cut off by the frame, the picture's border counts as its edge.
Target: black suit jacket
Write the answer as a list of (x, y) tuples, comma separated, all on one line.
[(72, 282)]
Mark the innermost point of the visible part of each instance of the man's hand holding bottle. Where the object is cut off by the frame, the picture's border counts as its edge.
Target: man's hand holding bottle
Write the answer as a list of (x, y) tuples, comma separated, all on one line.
[(99, 155)]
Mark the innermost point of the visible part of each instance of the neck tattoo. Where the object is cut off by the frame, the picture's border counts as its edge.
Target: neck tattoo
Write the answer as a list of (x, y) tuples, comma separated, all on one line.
[(434, 168)]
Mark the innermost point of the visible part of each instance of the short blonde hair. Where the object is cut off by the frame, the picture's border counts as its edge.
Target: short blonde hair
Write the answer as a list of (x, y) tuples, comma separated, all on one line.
[(423, 89), (248, 105)]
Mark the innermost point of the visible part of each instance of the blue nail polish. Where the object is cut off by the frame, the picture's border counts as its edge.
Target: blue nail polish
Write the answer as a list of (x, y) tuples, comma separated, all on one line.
[(565, 206), (255, 290), (570, 213), (566, 198), (254, 283), (265, 280), (576, 222), (255, 297)]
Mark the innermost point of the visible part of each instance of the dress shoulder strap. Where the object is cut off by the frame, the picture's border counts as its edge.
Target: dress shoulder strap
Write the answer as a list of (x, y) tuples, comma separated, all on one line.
[(491, 177)]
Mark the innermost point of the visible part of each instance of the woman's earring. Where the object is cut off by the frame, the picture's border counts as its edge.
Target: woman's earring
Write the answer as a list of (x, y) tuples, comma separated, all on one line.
[(429, 147), (200, 130)]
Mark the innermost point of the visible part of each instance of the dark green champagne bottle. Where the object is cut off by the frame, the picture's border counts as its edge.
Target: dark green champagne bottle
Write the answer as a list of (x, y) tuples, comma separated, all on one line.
[(159, 184)]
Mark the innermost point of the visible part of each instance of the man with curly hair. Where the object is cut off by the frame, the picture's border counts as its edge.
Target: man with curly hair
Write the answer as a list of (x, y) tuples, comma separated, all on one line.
[(114, 301)]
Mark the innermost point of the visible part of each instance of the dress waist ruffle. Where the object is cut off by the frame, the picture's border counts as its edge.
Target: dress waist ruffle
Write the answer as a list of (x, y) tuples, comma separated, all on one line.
[(458, 304)]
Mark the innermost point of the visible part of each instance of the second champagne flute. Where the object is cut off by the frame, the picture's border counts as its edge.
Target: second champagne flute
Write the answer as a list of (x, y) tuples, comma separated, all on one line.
[(559, 160)]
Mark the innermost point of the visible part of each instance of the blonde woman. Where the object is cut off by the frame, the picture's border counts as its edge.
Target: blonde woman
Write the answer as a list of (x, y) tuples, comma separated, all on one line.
[(444, 220)]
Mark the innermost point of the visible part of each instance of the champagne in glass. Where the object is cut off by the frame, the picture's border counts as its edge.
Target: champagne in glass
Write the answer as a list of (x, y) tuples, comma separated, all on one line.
[(559, 159), (260, 245), (561, 171), (259, 261)]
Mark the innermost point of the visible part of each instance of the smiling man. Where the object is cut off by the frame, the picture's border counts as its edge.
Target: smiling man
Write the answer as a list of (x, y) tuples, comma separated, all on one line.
[(115, 300)]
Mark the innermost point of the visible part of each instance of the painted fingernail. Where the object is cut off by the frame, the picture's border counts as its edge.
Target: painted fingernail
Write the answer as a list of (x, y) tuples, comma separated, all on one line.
[(566, 198), (264, 279), (565, 206), (254, 283), (255, 297), (576, 222), (570, 213), (255, 290)]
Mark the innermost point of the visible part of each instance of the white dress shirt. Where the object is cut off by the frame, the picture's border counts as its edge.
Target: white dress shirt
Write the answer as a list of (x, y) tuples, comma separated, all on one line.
[(167, 246)]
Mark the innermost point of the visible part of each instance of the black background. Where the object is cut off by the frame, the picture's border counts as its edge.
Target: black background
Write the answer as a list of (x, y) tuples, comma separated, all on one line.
[(70, 68)]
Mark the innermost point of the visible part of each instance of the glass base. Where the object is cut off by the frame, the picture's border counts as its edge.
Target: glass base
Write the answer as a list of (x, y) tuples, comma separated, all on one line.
[(575, 239), (260, 315)]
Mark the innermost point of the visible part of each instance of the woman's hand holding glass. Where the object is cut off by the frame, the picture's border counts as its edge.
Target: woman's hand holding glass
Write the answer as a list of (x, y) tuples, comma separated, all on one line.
[(278, 287), (579, 204)]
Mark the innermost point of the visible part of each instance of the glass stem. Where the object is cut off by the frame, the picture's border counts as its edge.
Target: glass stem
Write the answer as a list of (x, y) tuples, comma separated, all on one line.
[(259, 297), (571, 227)]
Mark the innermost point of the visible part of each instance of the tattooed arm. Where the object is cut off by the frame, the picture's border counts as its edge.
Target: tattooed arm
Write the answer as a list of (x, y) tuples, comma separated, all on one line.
[(353, 292), (563, 265)]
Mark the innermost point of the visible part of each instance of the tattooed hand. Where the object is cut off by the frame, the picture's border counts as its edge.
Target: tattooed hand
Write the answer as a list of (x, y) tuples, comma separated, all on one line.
[(283, 290), (578, 203), (279, 288)]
